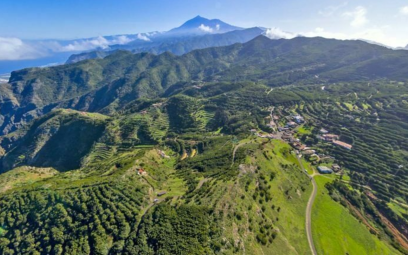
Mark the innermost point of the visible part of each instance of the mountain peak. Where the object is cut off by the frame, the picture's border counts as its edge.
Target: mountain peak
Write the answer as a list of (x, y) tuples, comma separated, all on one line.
[(201, 25)]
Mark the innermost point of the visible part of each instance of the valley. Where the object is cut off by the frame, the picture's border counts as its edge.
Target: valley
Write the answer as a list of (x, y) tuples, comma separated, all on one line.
[(264, 147), (183, 156)]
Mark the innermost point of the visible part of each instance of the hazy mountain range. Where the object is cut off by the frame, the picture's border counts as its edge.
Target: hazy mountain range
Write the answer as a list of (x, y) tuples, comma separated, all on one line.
[(177, 45), (38, 53), (197, 33)]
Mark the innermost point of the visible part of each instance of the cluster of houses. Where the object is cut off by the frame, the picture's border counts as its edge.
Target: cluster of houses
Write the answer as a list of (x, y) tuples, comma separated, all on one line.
[(293, 121), (326, 170), (286, 133), (334, 139), (302, 149)]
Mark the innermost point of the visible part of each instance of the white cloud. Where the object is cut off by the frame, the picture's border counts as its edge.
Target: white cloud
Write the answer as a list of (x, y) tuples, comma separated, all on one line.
[(277, 33), (88, 44), (121, 39), (93, 43), (15, 49), (404, 10), (357, 16), (205, 28), (217, 27), (143, 37)]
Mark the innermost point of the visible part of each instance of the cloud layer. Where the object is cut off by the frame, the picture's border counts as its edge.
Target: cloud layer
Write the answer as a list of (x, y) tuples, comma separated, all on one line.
[(93, 43), (17, 49), (14, 49)]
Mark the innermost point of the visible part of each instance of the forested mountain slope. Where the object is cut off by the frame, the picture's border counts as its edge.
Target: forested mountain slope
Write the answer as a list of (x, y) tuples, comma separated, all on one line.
[(106, 85)]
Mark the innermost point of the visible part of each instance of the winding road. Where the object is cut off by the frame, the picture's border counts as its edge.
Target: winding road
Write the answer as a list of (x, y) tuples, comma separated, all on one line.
[(309, 209)]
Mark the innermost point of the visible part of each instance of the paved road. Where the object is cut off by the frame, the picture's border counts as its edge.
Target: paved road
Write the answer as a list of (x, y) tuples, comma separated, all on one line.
[(309, 210), (309, 217)]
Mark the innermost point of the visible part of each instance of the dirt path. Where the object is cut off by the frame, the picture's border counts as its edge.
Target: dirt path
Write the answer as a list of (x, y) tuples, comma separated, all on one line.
[(200, 184), (235, 150)]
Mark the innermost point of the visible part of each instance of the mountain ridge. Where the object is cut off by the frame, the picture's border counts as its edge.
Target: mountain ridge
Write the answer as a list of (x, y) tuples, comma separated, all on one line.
[(176, 46), (84, 85), (58, 50)]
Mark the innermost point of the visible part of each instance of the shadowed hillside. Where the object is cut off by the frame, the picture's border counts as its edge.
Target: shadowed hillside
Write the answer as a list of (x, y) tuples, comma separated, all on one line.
[(59, 140)]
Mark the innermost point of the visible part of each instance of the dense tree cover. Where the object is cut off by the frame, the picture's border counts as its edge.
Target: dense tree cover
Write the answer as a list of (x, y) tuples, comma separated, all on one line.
[(183, 230), (78, 221), (215, 158), (182, 111)]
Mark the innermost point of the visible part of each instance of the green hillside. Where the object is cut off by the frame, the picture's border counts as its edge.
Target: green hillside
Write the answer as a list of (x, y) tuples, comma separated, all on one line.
[(107, 85), (205, 153)]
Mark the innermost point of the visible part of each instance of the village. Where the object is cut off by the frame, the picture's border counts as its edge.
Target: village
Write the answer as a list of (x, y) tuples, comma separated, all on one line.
[(286, 127)]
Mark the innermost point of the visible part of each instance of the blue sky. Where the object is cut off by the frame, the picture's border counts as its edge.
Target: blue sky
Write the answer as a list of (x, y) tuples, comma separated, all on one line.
[(382, 21)]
